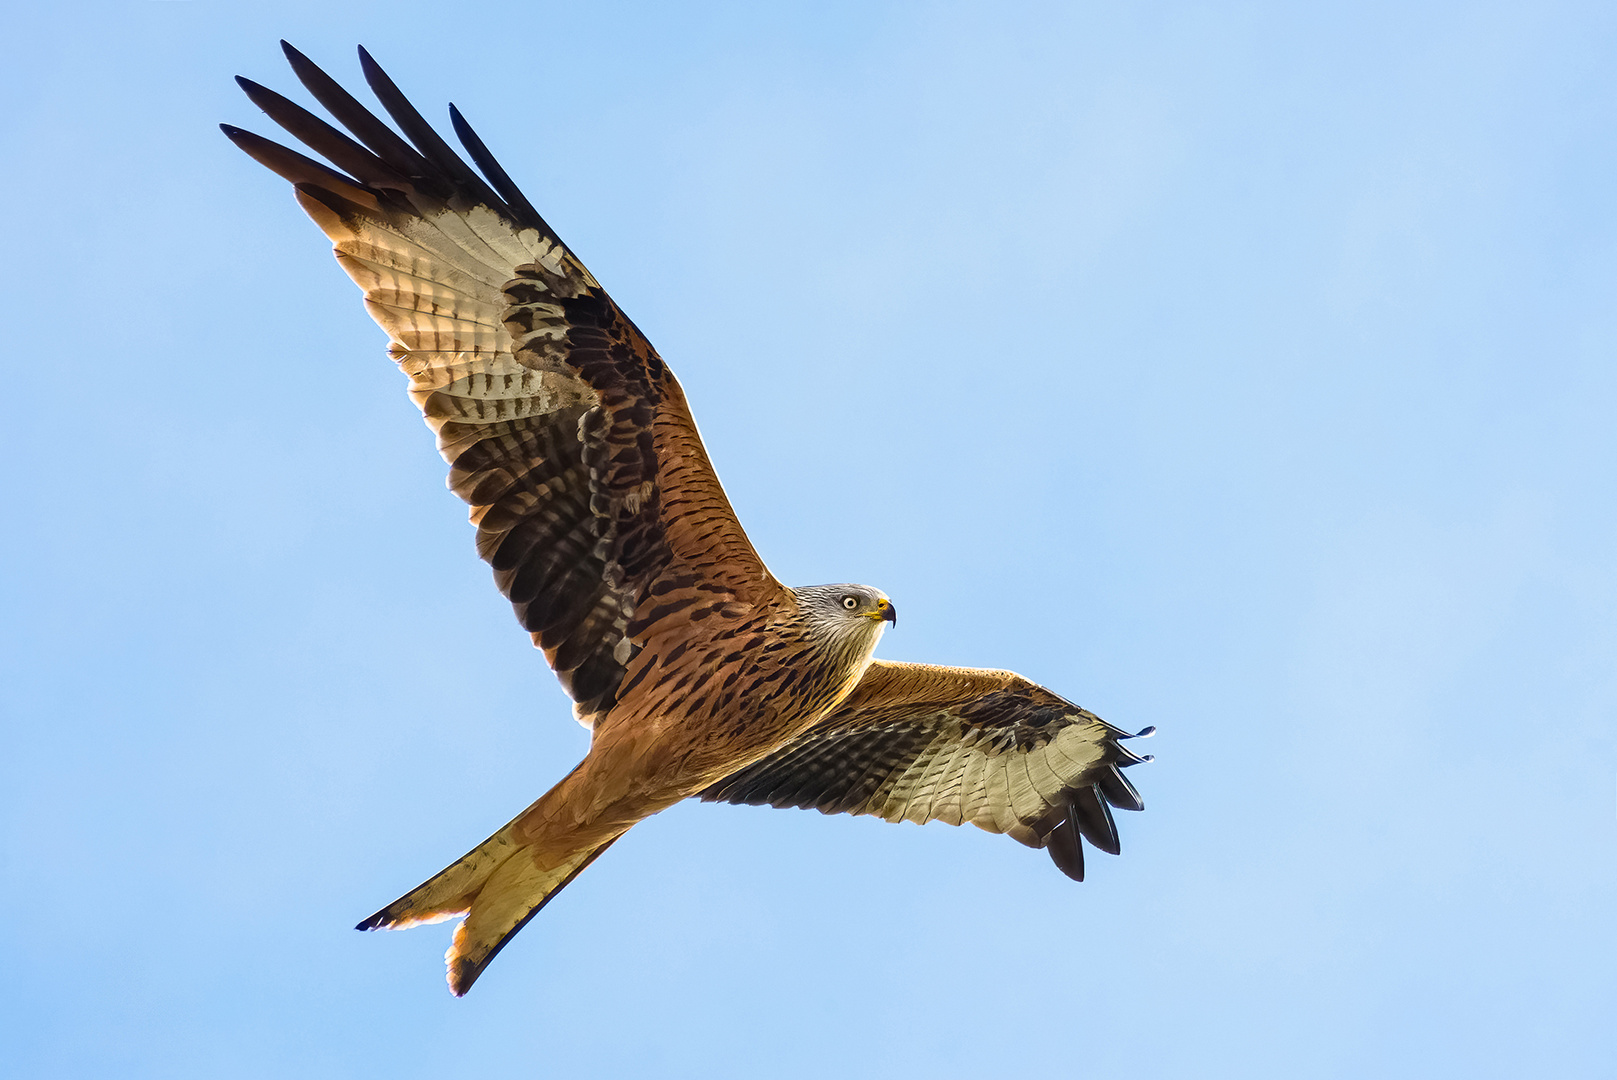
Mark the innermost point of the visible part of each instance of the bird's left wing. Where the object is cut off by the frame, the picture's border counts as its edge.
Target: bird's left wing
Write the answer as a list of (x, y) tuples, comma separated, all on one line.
[(916, 742)]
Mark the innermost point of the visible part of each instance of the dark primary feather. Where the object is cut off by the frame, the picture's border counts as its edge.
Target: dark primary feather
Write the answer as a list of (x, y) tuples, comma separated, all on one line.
[(920, 743), (1065, 850), (383, 141), (299, 170), (463, 181), (1092, 817), (322, 138), (492, 169)]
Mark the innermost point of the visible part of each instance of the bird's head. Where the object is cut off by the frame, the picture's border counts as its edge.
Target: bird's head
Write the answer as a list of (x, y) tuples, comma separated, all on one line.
[(853, 616)]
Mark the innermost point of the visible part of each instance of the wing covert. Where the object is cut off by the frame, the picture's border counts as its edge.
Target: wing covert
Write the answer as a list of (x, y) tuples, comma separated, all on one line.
[(915, 742)]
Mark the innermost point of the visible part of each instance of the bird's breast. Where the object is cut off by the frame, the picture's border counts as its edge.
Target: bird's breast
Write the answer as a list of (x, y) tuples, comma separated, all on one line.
[(706, 706)]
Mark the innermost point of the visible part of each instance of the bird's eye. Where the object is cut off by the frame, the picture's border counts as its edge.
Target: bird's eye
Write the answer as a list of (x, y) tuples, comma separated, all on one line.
[(850, 602)]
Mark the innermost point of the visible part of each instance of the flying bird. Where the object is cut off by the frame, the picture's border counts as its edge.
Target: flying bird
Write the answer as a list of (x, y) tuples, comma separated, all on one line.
[(696, 671)]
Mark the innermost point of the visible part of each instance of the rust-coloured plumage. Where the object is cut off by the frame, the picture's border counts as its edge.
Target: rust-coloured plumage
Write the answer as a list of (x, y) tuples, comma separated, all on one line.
[(607, 529)]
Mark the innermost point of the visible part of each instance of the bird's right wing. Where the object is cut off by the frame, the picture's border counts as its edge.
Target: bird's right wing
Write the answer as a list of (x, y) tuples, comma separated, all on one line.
[(915, 742), (593, 497)]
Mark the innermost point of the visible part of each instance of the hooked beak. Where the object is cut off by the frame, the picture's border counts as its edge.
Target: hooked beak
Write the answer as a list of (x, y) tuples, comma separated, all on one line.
[(886, 612)]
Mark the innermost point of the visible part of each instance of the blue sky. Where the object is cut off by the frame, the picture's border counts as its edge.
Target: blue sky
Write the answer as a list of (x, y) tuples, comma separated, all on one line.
[(1242, 369)]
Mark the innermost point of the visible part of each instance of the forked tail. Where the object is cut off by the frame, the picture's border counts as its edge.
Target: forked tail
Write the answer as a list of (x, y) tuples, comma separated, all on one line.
[(499, 885)]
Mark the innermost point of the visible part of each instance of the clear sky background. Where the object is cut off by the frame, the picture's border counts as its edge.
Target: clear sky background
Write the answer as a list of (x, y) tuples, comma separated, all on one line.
[(1246, 369)]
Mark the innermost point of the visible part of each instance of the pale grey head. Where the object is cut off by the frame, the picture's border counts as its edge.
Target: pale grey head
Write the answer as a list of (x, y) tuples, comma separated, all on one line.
[(846, 618)]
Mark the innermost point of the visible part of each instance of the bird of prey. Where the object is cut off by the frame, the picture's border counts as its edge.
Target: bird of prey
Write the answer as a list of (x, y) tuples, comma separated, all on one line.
[(696, 671)]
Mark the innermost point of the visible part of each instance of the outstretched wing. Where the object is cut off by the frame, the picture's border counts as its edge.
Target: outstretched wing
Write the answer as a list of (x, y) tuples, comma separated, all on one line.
[(564, 430), (914, 742)]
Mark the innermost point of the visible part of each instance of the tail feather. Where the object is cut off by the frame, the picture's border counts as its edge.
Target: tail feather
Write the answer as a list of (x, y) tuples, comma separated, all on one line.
[(513, 894), (450, 892), (499, 885)]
